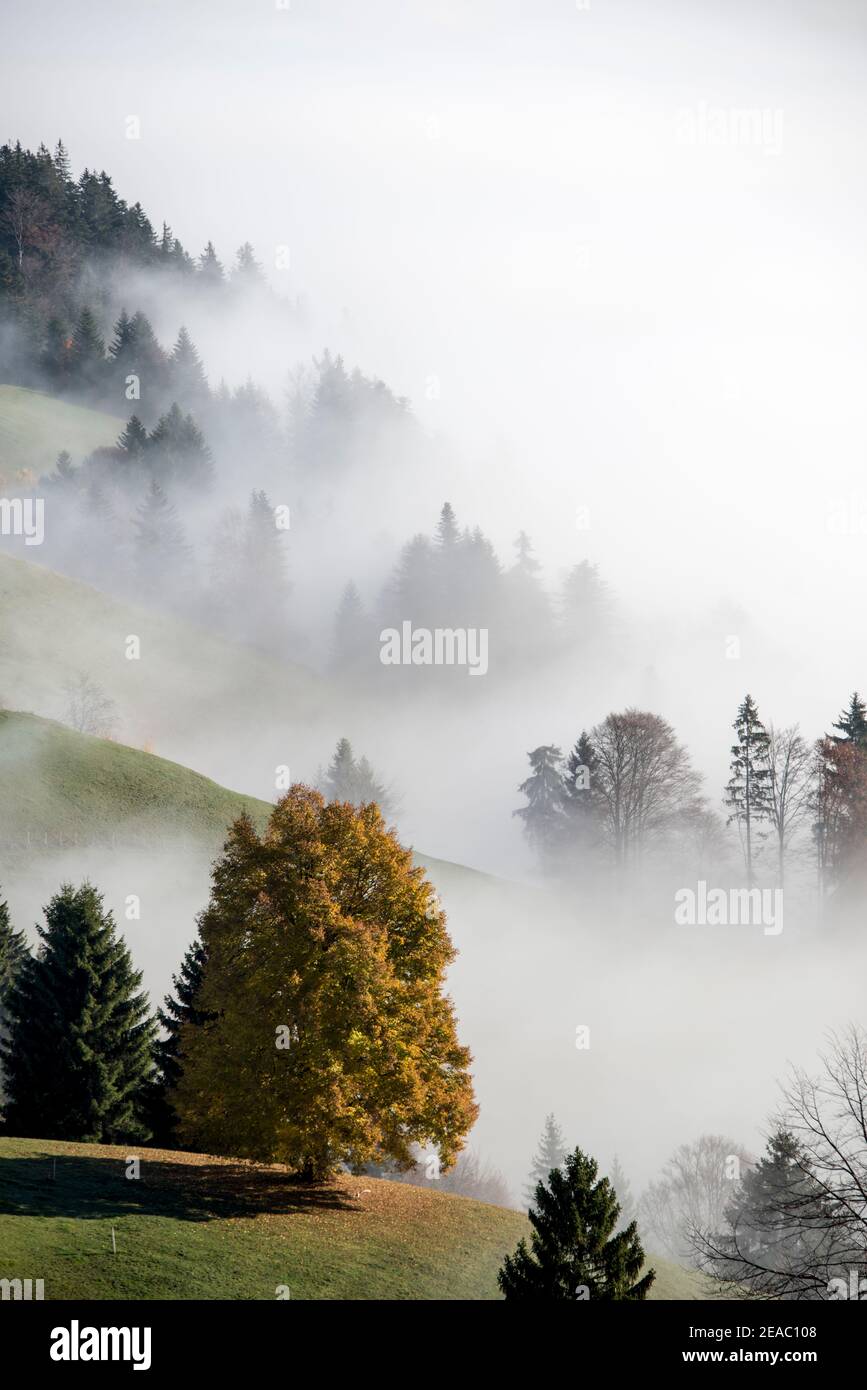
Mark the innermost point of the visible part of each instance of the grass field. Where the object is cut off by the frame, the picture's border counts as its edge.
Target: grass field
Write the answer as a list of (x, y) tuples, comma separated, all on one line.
[(195, 1227), (34, 428)]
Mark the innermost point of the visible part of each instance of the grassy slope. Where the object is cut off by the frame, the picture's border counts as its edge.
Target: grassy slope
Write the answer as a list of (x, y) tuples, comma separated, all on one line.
[(58, 783), (199, 1227), (34, 428)]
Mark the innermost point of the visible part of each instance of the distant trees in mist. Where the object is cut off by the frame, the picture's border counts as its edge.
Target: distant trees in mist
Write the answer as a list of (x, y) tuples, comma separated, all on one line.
[(627, 790)]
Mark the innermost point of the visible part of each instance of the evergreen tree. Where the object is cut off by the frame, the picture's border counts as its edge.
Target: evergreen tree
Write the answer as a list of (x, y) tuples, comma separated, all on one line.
[(544, 816), (78, 1057), (210, 269), (178, 452), (350, 644), (623, 1192), (580, 805), (247, 271), (748, 790), (179, 1010), (354, 781), (574, 1252), (87, 366), (187, 375), (14, 953), (852, 722), (134, 439), (161, 552), (551, 1154)]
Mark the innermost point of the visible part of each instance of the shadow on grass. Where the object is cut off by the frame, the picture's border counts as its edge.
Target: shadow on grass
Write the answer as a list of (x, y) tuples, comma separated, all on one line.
[(97, 1187)]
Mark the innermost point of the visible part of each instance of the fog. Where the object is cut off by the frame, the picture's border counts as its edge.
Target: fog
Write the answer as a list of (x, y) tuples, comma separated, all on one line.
[(635, 339)]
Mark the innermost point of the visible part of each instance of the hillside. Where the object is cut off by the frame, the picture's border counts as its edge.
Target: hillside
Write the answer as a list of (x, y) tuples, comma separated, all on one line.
[(34, 428), (196, 1227)]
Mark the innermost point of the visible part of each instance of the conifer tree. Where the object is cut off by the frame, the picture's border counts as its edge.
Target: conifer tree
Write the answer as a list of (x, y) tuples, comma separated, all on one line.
[(161, 553), (178, 1010), (579, 801), (14, 952), (623, 1192), (134, 439), (210, 269), (78, 1056), (87, 366), (575, 1252), (349, 644), (551, 1154), (748, 790), (544, 816), (852, 723), (187, 375)]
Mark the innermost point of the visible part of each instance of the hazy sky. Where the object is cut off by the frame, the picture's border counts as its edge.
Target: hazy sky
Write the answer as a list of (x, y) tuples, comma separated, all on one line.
[(500, 196)]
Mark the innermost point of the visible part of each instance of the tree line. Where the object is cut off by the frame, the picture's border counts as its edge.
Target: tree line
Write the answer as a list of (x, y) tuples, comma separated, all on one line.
[(628, 790)]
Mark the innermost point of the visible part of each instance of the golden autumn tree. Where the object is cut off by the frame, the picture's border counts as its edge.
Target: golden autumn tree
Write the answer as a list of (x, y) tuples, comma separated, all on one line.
[(333, 1040)]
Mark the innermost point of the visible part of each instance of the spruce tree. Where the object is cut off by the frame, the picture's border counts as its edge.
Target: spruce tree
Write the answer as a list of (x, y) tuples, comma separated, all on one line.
[(852, 723), (349, 643), (748, 790), (544, 816), (580, 803), (623, 1192), (78, 1056), (87, 353), (134, 439), (210, 269), (178, 1010), (161, 552), (14, 952), (575, 1251), (551, 1154), (188, 381)]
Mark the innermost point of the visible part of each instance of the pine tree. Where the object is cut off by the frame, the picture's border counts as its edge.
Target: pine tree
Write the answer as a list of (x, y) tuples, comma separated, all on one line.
[(354, 781), (14, 953), (78, 1058), (349, 644), (623, 1192), (574, 1252), (187, 375), (178, 451), (179, 1010), (88, 352), (852, 722), (210, 269), (247, 271), (544, 816), (748, 790), (134, 439), (580, 803), (160, 549), (551, 1154)]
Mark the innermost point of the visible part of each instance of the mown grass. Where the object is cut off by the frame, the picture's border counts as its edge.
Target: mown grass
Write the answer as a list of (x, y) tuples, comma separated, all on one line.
[(198, 1227), (34, 428)]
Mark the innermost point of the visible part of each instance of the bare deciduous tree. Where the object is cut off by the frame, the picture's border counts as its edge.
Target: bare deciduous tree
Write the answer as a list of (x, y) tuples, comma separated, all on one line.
[(89, 710), (808, 1240), (791, 764), (24, 216), (692, 1193), (645, 784)]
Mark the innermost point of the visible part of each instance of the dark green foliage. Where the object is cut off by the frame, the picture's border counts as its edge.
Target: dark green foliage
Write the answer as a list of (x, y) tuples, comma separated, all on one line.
[(78, 1056), (574, 1253), (852, 723), (178, 1009), (748, 790), (134, 438)]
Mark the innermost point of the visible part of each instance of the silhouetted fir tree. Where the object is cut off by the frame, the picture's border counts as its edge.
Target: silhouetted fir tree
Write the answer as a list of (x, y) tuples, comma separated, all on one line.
[(178, 1011), (580, 803), (447, 528), (14, 953), (354, 781), (134, 440), (210, 270), (178, 452), (350, 649), (87, 365), (574, 1253), (65, 478), (78, 1057), (247, 271), (585, 606), (852, 723), (161, 553), (530, 627), (188, 381), (143, 357), (265, 563), (623, 1192), (748, 789), (544, 816), (551, 1153)]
